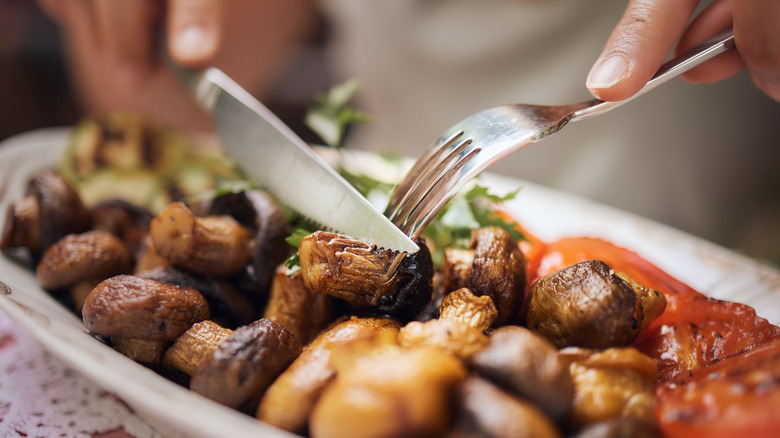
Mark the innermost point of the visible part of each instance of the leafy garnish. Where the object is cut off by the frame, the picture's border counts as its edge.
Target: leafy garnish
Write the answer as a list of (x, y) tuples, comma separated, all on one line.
[(330, 115), (298, 232), (468, 210)]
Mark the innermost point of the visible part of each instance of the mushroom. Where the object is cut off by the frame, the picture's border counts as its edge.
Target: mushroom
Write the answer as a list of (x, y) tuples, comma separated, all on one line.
[(493, 266), (370, 279), (618, 428), (611, 384), (528, 366), (212, 245), (125, 220), (152, 313), (294, 306), (460, 328), (238, 371), (228, 307), (388, 391), (93, 255), (590, 305), (290, 399), (51, 210), (257, 211), (485, 410)]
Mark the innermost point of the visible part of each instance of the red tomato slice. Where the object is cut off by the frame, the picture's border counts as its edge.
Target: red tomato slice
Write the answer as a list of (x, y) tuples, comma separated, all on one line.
[(568, 251), (736, 397)]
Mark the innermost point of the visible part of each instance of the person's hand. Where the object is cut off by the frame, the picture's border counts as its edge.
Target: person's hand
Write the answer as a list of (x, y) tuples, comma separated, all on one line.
[(116, 64), (649, 29)]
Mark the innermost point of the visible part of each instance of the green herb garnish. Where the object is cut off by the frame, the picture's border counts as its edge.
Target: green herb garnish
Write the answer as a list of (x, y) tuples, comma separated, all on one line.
[(331, 114)]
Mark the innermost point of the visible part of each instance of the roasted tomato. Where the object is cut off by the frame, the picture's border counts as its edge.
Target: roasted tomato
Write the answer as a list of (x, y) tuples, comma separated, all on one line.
[(737, 396), (568, 251), (695, 330)]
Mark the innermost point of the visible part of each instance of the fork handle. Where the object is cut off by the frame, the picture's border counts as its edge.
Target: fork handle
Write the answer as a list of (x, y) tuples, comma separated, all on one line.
[(673, 68)]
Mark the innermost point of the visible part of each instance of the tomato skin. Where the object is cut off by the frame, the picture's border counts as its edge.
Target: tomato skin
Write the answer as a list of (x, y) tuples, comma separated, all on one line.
[(736, 397), (695, 330), (547, 258)]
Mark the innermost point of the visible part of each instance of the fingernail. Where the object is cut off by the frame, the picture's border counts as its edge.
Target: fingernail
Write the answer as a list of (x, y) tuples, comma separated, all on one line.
[(193, 43), (608, 73)]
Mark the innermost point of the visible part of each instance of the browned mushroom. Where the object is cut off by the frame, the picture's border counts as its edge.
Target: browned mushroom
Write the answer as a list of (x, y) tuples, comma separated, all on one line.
[(258, 212), (153, 313), (368, 278), (459, 330), (388, 391), (228, 307), (493, 266), (290, 399), (484, 410), (295, 307), (51, 210), (590, 305), (212, 245), (611, 384), (529, 366), (93, 255), (239, 370), (127, 221)]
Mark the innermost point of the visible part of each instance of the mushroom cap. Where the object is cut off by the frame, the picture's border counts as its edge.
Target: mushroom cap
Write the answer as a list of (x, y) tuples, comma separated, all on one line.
[(242, 366), (135, 307), (586, 305), (61, 209), (94, 255)]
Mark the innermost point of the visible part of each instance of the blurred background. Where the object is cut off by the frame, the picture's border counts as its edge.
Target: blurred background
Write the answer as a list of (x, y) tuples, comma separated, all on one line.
[(704, 159)]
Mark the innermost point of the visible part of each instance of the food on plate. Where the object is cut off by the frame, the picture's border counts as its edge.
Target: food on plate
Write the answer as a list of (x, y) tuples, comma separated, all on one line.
[(494, 266), (211, 245), (487, 331), (590, 305), (368, 278)]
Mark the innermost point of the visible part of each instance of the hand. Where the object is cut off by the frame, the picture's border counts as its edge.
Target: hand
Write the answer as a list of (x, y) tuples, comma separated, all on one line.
[(649, 29), (116, 65)]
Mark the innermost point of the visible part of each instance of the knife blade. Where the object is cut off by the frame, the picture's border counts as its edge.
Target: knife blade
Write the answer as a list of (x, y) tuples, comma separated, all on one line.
[(280, 162)]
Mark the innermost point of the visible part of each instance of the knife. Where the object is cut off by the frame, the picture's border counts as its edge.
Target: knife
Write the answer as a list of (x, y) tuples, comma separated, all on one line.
[(284, 165)]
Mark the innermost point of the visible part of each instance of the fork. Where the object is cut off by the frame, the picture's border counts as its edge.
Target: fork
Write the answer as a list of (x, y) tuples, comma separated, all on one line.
[(482, 139)]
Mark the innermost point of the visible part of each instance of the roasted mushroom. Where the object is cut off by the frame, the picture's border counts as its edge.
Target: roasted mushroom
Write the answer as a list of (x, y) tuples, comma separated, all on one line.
[(152, 313), (485, 410), (590, 305), (459, 330), (611, 384), (295, 307), (388, 391), (258, 212), (290, 399), (51, 210), (233, 367), (212, 245), (228, 307), (493, 266), (529, 366), (368, 278), (93, 255), (127, 221)]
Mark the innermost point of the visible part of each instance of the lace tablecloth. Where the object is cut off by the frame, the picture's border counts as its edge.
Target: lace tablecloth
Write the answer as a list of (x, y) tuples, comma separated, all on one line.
[(41, 397)]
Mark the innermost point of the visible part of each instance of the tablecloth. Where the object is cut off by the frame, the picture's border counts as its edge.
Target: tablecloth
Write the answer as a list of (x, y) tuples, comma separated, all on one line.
[(40, 396)]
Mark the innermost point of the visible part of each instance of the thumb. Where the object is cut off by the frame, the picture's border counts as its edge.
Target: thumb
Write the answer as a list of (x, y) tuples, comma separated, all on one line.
[(194, 31)]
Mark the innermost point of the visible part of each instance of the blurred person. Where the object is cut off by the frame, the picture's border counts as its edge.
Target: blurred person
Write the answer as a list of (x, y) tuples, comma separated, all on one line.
[(700, 158)]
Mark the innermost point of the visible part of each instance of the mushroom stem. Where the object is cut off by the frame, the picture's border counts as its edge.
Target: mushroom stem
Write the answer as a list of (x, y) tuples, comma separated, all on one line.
[(22, 225), (213, 245), (194, 345), (140, 350)]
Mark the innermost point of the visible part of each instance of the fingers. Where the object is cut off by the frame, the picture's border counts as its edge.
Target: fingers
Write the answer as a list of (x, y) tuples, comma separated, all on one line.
[(638, 46), (194, 30), (711, 21), (757, 35), (125, 31)]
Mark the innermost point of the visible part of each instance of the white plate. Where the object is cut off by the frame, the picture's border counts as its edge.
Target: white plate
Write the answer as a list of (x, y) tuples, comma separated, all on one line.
[(176, 411)]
